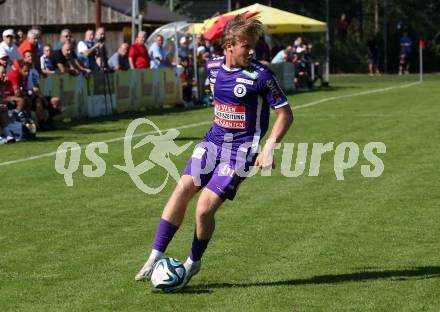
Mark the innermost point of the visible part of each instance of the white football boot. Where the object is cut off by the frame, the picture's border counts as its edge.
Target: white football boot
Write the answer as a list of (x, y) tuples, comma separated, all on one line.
[(145, 273), (192, 268)]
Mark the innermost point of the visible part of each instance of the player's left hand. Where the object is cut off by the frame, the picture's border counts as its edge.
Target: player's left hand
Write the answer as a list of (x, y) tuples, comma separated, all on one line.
[(265, 160)]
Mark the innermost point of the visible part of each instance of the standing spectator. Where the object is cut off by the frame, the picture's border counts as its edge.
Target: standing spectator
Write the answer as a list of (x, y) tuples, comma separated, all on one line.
[(19, 37), (406, 44), (403, 62), (342, 26), (157, 53), (67, 62), (119, 60), (282, 55), (30, 44), (138, 55), (372, 57), (47, 64), (101, 52), (65, 36), (183, 50), (87, 49), (9, 48), (262, 51), (277, 46)]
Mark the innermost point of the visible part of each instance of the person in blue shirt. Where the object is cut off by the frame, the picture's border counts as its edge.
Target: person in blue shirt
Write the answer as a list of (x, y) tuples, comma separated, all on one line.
[(157, 53), (406, 46)]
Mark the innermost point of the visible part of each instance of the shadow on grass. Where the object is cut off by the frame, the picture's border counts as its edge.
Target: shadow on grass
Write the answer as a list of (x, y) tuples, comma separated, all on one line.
[(395, 275)]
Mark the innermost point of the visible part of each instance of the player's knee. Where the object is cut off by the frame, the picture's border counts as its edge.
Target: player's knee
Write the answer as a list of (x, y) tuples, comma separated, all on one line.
[(204, 212)]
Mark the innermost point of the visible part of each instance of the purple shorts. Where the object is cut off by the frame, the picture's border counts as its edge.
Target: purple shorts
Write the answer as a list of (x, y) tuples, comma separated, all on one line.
[(220, 170)]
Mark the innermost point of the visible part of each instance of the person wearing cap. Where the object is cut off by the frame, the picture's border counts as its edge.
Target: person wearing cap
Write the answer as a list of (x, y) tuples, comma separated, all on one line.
[(8, 47), (157, 53)]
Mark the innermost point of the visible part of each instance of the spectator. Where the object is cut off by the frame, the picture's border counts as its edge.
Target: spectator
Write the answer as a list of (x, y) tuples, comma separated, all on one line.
[(87, 49), (119, 60), (403, 62), (15, 91), (30, 44), (157, 53), (9, 48), (277, 46), (67, 62), (406, 44), (65, 36), (39, 103), (262, 51), (5, 136), (342, 26), (47, 64), (101, 52), (19, 37), (188, 81), (138, 55), (372, 57), (282, 55), (183, 50)]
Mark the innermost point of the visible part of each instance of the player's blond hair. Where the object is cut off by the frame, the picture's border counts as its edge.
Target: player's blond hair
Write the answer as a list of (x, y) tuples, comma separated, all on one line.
[(239, 27)]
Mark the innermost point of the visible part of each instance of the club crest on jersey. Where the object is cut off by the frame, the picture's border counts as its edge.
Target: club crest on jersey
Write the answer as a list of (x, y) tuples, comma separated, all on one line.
[(240, 90)]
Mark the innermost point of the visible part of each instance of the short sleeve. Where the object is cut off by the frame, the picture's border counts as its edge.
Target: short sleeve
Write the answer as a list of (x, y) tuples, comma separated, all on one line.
[(271, 90), (81, 47), (131, 52)]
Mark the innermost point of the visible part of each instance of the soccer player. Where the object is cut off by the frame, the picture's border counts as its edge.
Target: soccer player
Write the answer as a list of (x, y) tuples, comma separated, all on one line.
[(244, 91)]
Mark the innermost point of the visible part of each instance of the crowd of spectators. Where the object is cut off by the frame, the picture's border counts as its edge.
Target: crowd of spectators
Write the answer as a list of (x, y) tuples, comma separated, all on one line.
[(307, 68), (24, 60)]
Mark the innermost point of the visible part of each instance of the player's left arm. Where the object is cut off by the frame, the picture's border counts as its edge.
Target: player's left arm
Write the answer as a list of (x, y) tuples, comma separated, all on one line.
[(284, 119)]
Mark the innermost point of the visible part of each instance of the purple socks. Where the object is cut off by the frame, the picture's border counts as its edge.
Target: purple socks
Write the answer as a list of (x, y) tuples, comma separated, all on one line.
[(198, 248), (164, 235)]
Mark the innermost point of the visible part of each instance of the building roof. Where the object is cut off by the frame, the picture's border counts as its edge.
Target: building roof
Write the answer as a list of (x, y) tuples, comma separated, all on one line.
[(155, 12)]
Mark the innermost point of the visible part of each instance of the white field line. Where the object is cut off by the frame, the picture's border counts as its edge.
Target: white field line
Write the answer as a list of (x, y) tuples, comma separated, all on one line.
[(11, 162)]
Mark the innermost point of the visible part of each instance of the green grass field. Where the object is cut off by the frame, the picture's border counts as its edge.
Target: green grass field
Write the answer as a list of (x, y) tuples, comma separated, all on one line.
[(284, 244)]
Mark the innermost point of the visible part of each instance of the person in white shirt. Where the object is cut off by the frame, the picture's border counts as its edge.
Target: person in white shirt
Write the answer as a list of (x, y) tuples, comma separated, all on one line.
[(9, 47)]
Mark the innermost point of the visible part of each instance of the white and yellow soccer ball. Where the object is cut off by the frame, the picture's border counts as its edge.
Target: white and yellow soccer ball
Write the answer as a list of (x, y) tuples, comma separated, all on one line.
[(168, 274)]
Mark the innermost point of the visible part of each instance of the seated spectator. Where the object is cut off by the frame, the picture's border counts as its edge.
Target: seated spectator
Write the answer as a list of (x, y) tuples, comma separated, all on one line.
[(138, 55), (119, 60), (15, 91), (101, 52), (87, 49), (5, 136), (40, 103), (157, 53), (30, 44), (67, 62), (8, 47), (46, 62), (65, 36)]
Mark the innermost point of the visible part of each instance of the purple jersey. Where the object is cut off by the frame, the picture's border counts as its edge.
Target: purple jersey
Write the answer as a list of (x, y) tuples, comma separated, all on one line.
[(242, 98)]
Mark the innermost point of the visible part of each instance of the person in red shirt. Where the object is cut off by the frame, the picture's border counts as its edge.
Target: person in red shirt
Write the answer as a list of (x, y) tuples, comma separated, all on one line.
[(138, 54), (15, 88)]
